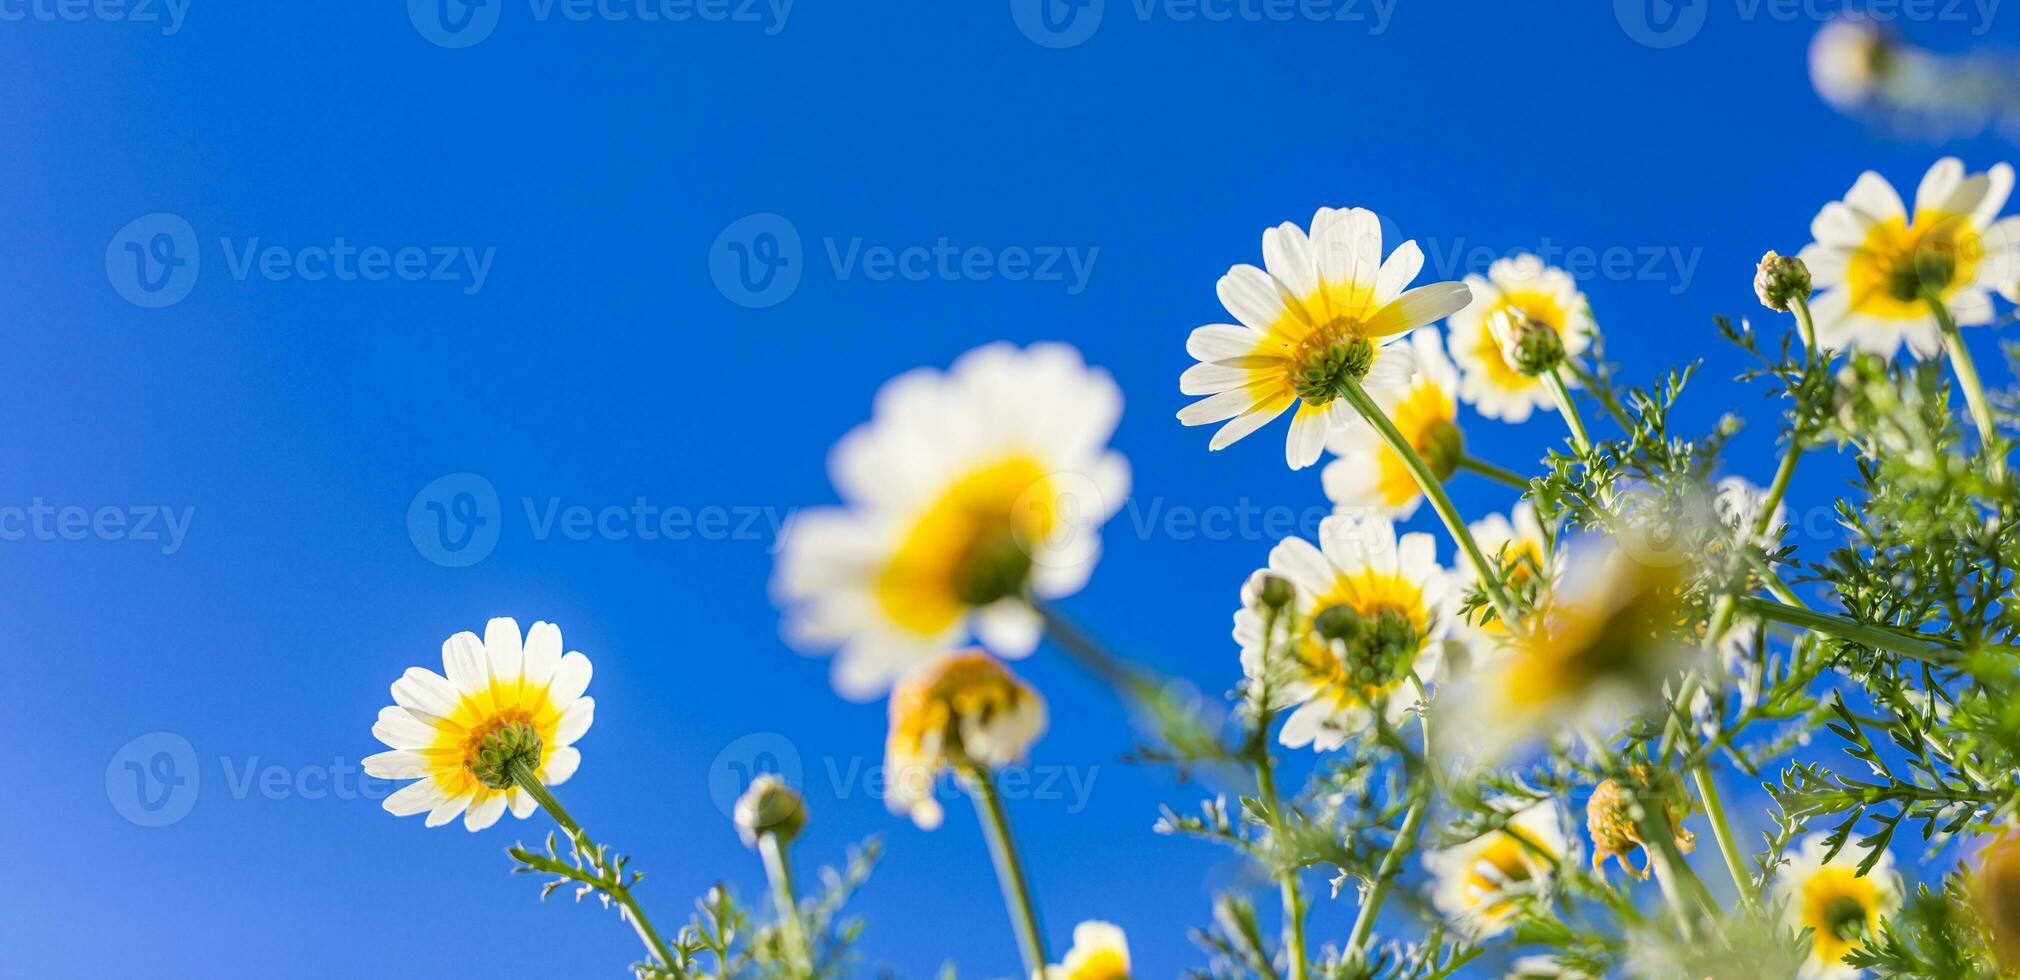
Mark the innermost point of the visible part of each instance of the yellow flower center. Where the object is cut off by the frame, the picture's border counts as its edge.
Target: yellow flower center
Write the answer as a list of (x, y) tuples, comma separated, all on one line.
[(1329, 358), (1839, 907), (456, 755), (1366, 634), (971, 547), (1502, 866), (1102, 964), (1898, 262)]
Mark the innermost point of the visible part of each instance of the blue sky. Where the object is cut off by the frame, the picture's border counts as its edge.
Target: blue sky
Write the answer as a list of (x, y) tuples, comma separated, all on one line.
[(517, 259)]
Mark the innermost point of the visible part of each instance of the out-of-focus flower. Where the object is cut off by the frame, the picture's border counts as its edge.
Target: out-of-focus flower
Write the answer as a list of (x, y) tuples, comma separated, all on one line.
[(1523, 547), (1780, 280), (963, 710), (963, 491), (1320, 315), (1877, 264), (1100, 952), (1739, 504), (1995, 891), (1518, 287), (1370, 610), (1479, 883), (507, 707), (1609, 818), (1849, 59), (1370, 475), (1835, 903), (769, 806), (1544, 967)]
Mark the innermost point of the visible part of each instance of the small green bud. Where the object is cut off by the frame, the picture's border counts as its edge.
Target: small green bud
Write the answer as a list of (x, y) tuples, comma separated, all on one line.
[(769, 806), (1276, 592), (1442, 446), (1529, 345), (501, 750), (1780, 280)]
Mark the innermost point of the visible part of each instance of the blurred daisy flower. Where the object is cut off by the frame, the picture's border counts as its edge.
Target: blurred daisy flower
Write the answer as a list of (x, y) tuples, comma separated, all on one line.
[(963, 711), (1849, 59), (1370, 610), (1100, 952), (1995, 894), (508, 710), (1320, 316), (1425, 409), (1477, 884), (1523, 288), (1877, 264), (1525, 561), (1838, 905), (965, 491)]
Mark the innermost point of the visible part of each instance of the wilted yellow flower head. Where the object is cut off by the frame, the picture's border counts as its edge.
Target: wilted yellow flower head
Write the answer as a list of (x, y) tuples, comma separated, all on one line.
[(1609, 817), (965, 710)]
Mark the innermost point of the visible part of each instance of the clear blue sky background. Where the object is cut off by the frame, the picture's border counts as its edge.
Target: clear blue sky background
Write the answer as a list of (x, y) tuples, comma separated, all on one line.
[(599, 363)]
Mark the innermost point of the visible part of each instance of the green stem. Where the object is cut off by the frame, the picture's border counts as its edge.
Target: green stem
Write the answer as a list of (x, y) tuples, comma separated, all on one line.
[(1492, 472), (1009, 873), (1967, 373), (1721, 831), (777, 868), (1489, 576), (1406, 840), (1800, 306), (1266, 785), (522, 774), (1877, 637), (1554, 380)]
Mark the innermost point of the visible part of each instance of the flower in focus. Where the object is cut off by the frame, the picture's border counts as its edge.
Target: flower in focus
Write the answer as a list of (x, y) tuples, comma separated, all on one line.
[(1478, 883), (1877, 264), (1594, 646), (1849, 58), (1518, 287), (1609, 818), (506, 710), (1995, 893), (965, 490), (1100, 952), (964, 710), (1835, 903), (1370, 611), (1317, 318), (1425, 409)]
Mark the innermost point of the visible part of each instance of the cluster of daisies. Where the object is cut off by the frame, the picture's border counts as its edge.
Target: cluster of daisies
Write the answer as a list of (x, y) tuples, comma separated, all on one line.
[(974, 496)]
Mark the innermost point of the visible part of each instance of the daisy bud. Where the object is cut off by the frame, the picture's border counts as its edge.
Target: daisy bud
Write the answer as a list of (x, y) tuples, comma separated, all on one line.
[(501, 750), (1849, 60), (1995, 890), (769, 806), (1530, 346), (1276, 592), (1779, 279), (1610, 818)]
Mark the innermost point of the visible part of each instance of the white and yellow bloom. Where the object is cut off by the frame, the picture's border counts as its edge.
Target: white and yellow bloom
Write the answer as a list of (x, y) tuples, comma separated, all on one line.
[(1319, 316), (1876, 263), (963, 710), (1835, 903), (1479, 884), (503, 706), (1368, 475), (1520, 286), (965, 490), (1524, 547), (1100, 952), (1371, 610)]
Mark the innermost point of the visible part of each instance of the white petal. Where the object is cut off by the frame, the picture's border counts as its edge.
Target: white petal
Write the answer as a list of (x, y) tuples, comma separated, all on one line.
[(1419, 306), (1307, 437), (1246, 423), (561, 764), (575, 721), (397, 764), (415, 797), (543, 653), (1221, 342), (503, 649), (1287, 255), (485, 812), (1010, 627), (571, 678), (463, 662), (399, 729), (1874, 197), (423, 690), (1938, 186), (448, 810)]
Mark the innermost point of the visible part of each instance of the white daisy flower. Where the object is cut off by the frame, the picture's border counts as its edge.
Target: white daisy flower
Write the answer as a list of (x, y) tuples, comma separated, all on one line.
[(965, 490), (1524, 546), (1100, 952), (1520, 285), (1368, 475), (1849, 59), (1874, 261), (1478, 884), (963, 709), (1370, 610), (1835, 903), (504, 704), (1739, 504), (1320, 317)]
